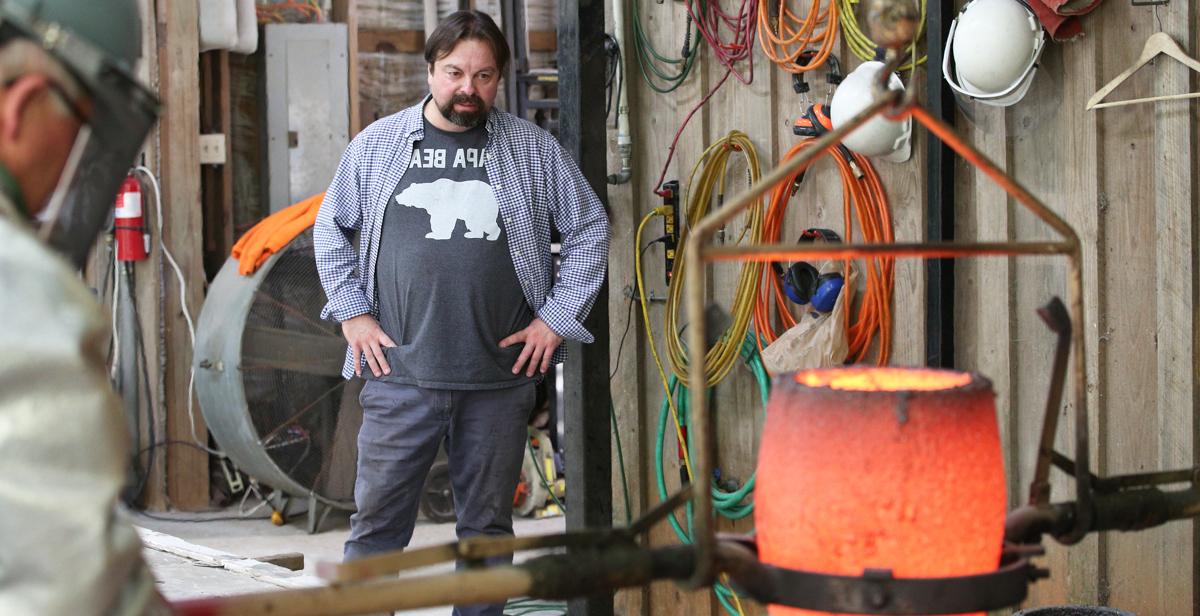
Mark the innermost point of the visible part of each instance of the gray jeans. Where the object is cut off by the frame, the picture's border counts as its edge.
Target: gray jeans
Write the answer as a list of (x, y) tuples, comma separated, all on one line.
[(403, 426)]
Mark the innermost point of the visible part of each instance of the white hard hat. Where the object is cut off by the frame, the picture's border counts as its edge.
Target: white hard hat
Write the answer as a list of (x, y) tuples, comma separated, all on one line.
[(995, 45), (888, 139)]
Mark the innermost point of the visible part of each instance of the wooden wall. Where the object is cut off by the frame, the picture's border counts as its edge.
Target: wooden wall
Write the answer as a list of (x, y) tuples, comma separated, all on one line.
[(1124, 177)]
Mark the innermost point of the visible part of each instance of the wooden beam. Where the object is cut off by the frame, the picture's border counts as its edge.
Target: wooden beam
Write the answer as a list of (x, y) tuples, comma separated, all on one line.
[(346, 11), (147, 275), (179, 131)]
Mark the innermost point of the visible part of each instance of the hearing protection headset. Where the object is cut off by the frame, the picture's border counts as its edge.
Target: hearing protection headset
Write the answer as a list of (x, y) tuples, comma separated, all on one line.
[(805, 284)]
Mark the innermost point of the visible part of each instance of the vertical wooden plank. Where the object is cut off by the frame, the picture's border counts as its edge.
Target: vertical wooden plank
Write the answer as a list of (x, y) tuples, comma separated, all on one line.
[(178, 50), (1085, 561), (346, 11), (1175, 282), (906, 190), (1168, 575), (1079, 61), (660, 117), (1128, 328), (1037, 133), (1193, 40), (147, 274), (626, 336), (1194, 144), (651, 137), (431, 16), (985, 297), (738, 409)]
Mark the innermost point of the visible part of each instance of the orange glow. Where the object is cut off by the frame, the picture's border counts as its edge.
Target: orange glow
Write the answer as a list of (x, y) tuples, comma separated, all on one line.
[(883, 379), (886, 468)]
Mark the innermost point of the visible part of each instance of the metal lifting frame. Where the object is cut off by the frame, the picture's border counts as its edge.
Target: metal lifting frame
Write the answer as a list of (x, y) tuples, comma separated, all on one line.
[(896, 105)]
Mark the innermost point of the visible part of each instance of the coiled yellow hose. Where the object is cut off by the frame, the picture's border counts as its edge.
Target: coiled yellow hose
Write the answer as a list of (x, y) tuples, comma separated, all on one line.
[(713, 168), (862, 45)]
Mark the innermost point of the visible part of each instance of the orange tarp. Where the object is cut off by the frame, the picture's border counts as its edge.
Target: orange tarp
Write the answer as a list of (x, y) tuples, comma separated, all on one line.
[(274, 232)]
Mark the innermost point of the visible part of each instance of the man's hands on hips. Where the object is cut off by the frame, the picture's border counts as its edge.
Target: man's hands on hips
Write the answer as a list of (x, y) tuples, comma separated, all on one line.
[(540, 343), (367, 339)]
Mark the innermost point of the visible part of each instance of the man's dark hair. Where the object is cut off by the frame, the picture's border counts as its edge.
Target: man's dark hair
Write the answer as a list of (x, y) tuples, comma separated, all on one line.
[(467, 25)]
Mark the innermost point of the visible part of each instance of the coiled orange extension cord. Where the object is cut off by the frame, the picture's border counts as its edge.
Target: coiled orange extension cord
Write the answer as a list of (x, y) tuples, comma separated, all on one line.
[(862, 197), (785, 37)]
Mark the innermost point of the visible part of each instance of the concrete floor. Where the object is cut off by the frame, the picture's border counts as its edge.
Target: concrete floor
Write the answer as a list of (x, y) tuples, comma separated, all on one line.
[(184, 578)]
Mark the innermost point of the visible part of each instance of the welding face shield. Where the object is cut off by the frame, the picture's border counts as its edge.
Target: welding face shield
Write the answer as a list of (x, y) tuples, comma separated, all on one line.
[(121, 114)]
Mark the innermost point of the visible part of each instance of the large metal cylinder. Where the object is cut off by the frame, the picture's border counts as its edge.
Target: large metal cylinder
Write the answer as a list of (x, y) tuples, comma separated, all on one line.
[(268, 377)]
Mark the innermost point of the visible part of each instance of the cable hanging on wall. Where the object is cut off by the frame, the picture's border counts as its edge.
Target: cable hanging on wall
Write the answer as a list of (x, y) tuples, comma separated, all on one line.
[(736, 502), (662, 73), (702, 192), (860, 42), (281, 11), (795, 43), (735, 47), (733, 502)]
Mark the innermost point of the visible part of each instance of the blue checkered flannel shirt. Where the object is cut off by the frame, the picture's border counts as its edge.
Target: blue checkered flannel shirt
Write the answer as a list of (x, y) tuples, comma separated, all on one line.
[(534, 180)]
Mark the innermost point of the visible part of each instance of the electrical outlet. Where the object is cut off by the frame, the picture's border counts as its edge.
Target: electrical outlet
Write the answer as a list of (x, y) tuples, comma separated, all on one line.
[(212, 149), (671, 225)]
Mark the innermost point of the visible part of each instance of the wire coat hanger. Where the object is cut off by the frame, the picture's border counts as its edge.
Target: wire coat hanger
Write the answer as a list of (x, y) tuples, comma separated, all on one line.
[(1158, 43)]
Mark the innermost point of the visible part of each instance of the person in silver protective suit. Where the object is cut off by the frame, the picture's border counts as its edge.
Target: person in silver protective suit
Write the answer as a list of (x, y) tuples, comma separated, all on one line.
[(72, 119)]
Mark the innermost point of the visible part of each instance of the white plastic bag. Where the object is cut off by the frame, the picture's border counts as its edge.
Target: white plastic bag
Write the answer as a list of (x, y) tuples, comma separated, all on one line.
[(817, 340)]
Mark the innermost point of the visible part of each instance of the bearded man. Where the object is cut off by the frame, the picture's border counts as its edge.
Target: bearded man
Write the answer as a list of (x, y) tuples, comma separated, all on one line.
[(449, 299)]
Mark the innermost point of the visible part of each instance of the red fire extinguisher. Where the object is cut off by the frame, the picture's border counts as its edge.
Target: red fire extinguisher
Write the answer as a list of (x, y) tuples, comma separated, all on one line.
[(133, 243)]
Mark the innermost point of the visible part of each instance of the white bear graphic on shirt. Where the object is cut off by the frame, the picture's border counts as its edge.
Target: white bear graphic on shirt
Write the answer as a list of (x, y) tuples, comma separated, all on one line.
[(448, 202)]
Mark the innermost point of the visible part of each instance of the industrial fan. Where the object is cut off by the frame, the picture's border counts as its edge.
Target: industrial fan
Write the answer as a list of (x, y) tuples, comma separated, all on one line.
[(268, 377)]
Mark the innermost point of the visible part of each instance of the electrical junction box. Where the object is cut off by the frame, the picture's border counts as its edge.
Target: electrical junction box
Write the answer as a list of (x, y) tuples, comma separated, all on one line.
[(307, 108)]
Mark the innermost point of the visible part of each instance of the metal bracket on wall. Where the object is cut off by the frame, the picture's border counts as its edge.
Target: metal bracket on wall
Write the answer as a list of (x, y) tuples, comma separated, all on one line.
[(651, 297)]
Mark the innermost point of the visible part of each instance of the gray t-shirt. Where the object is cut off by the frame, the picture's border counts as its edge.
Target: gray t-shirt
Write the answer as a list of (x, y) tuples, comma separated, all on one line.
[(448, 291)]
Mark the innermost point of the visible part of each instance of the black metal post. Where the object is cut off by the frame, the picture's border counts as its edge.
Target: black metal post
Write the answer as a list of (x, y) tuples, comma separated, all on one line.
[(939, 175), (512, 13), (586, 395)]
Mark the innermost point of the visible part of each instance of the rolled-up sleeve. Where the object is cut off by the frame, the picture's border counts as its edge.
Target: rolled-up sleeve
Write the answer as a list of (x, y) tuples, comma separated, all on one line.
[(583, 225), (338, 220)]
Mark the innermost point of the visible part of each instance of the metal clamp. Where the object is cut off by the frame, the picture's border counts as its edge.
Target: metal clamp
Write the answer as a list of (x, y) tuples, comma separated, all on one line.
[(877, 591)]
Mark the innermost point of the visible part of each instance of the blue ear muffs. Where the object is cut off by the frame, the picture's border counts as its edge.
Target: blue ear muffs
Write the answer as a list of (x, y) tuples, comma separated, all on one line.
[(804, 284), (799, 281), (829, 286)]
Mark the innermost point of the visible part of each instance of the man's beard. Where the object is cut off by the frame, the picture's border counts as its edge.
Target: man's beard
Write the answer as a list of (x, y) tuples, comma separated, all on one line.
[(469, 119)]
